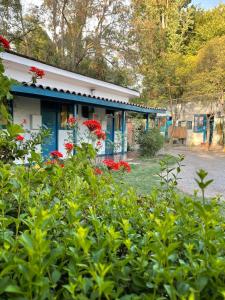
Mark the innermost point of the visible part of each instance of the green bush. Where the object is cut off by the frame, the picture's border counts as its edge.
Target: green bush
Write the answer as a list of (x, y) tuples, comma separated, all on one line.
[(150, 141), (67, 233)]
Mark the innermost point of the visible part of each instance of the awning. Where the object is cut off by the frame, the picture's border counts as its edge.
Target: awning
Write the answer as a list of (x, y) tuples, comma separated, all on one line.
[(36, 90)]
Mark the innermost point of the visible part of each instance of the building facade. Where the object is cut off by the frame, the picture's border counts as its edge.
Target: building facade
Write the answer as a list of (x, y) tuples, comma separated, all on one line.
[(62, 94)]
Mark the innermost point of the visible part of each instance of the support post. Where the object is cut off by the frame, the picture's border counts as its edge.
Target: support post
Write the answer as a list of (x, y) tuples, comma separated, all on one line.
[(123, 130), (75, 129), (147, 122)]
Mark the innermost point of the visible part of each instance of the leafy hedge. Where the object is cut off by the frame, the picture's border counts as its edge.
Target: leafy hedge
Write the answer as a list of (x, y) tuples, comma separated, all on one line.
[(150, 141), (67, 233)]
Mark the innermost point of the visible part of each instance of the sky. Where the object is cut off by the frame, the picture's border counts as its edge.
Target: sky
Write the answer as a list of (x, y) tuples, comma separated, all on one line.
[(207, 3), (202, 3)]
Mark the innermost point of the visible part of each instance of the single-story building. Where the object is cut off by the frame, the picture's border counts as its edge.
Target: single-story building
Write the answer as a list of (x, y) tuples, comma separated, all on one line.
[(200, 123), (61, 94)]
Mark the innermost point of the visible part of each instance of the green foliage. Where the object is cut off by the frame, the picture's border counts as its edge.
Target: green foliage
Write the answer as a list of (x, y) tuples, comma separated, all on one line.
[(11, 149), (69, 234), (202, 174), (150, 142)]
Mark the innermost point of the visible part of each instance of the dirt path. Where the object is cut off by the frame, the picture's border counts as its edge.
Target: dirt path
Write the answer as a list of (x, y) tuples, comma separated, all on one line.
[(213, 163)]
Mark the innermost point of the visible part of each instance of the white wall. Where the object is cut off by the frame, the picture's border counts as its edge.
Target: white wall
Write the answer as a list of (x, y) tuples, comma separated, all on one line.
[(63, 137), (17, 67)]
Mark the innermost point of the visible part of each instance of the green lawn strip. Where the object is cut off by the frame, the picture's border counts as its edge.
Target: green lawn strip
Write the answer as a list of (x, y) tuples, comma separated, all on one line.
[(143, 176)]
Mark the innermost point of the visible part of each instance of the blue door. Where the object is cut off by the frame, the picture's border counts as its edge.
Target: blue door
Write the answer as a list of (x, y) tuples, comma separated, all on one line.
[(109, 146), (49, 111)]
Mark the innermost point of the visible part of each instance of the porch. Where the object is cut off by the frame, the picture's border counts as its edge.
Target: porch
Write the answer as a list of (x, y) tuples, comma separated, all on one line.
[(37, 106)]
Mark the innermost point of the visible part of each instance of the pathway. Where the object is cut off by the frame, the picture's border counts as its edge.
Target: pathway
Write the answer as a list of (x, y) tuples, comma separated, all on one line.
[(212, 162)]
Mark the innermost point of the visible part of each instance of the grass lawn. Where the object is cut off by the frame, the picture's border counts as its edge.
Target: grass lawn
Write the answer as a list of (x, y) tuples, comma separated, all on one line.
[(144, 173)]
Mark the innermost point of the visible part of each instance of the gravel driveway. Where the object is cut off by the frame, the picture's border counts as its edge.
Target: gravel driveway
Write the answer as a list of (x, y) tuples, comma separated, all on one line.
[(212, 162)]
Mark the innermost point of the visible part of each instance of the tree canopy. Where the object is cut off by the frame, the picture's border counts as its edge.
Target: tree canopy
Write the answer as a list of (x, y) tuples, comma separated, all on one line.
[(168, 49)]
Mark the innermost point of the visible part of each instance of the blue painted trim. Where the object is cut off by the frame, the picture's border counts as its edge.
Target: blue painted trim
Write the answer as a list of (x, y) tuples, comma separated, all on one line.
[(123, 130), (39, 92)]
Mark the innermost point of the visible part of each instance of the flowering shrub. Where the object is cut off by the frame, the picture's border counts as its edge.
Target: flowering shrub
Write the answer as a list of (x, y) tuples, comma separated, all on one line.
[(69, 234), (69, 147), (116, 166), (20, 138), (36, 73), (93, 125), (123, 165), (111, 164), (100, 134), (13, 146), (4, 43), (56, 154), (98, 171), (72, 120)]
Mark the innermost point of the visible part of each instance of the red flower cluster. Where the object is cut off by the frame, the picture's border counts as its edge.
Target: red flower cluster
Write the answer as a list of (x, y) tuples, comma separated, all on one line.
[(19, 138), (111, 164), (124, 166), (117, 166), (93, 125), (71, 120), (56, 154), (98, 171), (4, 42), (38, 73), (69, 147), (100, 134)]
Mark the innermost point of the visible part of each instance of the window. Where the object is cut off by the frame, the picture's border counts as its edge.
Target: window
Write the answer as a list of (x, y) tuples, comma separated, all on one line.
[(87, 111), (66, 111), (199, 123), (189, 125)]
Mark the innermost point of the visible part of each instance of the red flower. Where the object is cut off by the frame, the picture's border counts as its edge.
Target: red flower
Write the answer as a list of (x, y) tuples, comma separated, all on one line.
[(72, 120), (124, 166), (100, 134), (93, 125), (19, 138), (99, 144), (111, 164), (4, 42), (98, 171), (38, 73), (69, 147), (56, 154)]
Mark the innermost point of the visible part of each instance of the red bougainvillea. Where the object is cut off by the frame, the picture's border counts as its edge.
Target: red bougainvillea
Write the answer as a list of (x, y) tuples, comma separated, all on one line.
[(20, 138), (111, 164), (69, 147), (124, 166), (56, 154), (4, 43), (93, 125), (100, 134), (98, 171), (71, 120)]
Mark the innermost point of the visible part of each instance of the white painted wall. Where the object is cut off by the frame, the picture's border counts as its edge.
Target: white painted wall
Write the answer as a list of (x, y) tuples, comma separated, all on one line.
[(63, 137), (17, 67)]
